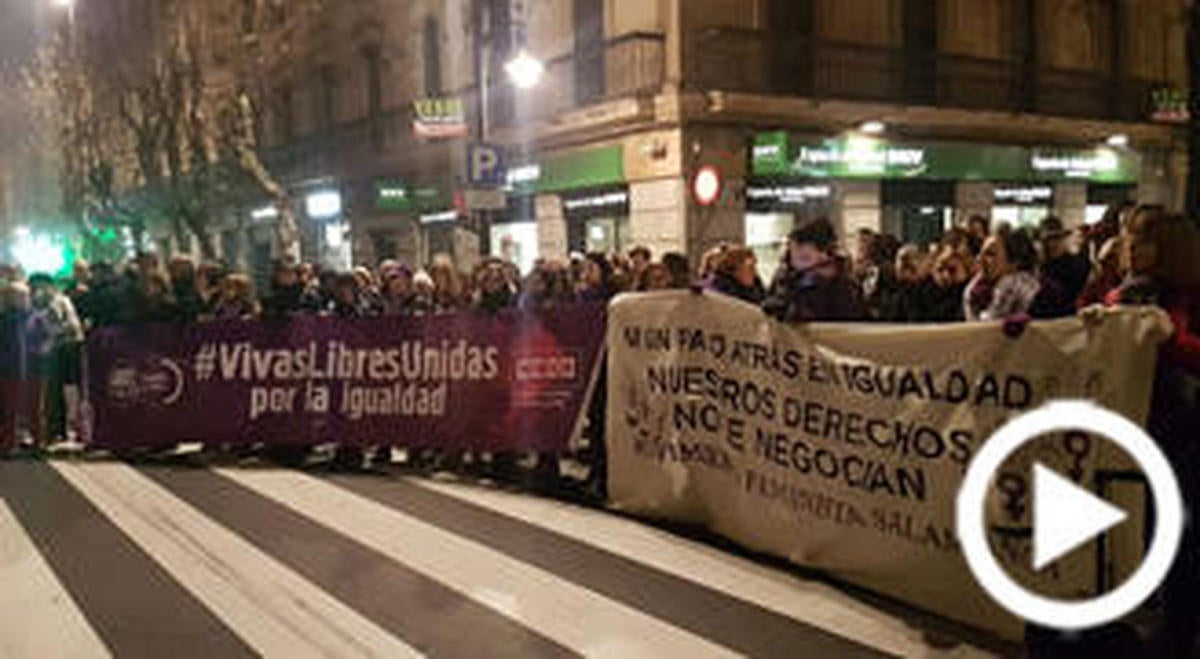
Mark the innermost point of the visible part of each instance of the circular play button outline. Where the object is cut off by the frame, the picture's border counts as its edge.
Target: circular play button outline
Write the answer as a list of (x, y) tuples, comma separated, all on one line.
[(1058, 614)]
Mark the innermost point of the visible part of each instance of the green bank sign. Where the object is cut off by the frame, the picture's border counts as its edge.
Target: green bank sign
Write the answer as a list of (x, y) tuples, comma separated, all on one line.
[(776, 155), (591, 168), (392, 195)]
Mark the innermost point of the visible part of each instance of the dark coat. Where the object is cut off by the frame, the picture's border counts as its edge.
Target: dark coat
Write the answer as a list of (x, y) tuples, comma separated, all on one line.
[(926, 302), (805, 297), (285, 302), (1062, 283), (724, 283)]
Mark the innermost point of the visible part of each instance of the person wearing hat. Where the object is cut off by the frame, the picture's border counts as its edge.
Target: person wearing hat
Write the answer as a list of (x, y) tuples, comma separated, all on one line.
[(1063, 275), (814, 284)]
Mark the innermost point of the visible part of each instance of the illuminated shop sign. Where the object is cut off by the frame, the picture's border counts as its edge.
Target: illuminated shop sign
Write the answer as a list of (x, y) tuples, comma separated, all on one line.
[(524, 175), (265, 213), (393, 195), (788, 194), (440, 218), (1076, 165), (1025, 195), (1169, 105), (323, 205), (439, 118), (596, 201), (862, 154), (776, 155)]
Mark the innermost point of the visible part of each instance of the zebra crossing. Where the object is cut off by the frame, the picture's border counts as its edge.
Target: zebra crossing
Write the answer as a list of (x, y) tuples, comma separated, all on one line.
[(102, 559)]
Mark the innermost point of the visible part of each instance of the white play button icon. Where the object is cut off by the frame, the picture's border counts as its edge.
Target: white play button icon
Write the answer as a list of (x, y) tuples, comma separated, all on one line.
[(1065, 516)]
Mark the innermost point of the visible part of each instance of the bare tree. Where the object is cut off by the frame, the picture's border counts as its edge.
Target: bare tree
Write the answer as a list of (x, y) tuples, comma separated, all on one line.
[(168, 137)]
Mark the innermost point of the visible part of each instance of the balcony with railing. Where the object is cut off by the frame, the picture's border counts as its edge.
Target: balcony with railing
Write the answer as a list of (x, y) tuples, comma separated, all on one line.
[(756, 61), (627, 66)]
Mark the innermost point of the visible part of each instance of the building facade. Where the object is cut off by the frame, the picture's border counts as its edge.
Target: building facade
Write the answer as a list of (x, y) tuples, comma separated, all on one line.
[(401, 136)]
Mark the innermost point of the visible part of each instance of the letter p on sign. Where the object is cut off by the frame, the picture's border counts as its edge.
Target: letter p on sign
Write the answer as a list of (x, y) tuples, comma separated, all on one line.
[(485, 165)]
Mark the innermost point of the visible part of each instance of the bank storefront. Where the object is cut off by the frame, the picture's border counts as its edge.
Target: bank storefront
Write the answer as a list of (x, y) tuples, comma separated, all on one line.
[(589, 192), (917, 190), (413, 222)]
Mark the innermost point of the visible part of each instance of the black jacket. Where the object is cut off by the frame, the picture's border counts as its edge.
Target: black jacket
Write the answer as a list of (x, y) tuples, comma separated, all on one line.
[(723, 283), (1063, 280), (804, 297)]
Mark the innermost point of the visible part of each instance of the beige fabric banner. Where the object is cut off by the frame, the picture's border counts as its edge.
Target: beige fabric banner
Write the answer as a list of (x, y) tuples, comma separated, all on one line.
[(841, 447)]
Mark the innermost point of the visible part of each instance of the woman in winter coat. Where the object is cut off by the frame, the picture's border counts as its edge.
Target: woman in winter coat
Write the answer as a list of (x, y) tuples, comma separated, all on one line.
[(736, 275), (1006, 284)]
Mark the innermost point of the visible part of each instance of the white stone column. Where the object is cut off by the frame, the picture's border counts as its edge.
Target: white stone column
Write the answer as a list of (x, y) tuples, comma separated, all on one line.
[(552, 228), (973, 198), (658, 215), (1070, 203), (857, 206), (1155, 180)]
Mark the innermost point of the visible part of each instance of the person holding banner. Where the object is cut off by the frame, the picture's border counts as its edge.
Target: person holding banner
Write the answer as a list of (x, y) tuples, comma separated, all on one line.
[(14, 306), (813, 284), (1160, 251)]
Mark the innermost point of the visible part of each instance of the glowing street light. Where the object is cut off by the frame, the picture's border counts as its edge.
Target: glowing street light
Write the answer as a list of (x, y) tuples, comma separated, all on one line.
[(525, 70), (1119, 140), (873, 128)]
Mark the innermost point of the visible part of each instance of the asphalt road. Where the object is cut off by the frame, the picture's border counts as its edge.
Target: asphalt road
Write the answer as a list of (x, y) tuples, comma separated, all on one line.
[(107, 559)]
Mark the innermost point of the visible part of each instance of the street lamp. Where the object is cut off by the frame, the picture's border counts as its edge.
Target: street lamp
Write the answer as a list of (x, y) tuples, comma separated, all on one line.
[(525, 71)]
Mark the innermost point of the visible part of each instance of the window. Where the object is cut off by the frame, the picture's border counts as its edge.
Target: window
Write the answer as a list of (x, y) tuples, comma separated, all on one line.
[(866, 22), (790, 16), (324, 94), (433, 57), (1075, 35), (589, 50), (1149, 39), (249, 9), (974, 28), (276, 13), (286, 112), (372, 56)]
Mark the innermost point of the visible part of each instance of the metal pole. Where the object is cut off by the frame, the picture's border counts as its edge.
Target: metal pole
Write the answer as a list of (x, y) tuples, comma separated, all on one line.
[(483, 65)]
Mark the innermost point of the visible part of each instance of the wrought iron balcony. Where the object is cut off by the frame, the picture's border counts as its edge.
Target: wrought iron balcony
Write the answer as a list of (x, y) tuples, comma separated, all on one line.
[(756, 61)]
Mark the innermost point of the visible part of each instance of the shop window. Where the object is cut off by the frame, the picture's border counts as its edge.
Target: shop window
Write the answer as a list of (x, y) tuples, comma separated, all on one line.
[(767, 234), (1019, 217), (606, 235), (515, 242), (384, 245)]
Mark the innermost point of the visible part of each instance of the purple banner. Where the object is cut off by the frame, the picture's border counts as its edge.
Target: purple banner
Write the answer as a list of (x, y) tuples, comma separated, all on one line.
[(510, 381)]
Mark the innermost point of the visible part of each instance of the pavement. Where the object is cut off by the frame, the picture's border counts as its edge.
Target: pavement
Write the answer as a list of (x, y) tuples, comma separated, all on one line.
[(102, 558)]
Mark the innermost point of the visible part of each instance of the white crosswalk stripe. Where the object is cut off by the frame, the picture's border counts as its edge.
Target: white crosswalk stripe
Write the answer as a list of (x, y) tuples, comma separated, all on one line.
[(273, 609), (583, 621), (216, 536), (38, 617), (811, 602)]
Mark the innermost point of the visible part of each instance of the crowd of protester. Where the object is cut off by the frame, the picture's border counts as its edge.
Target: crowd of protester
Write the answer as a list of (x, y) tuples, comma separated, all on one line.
[(975, 273)]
